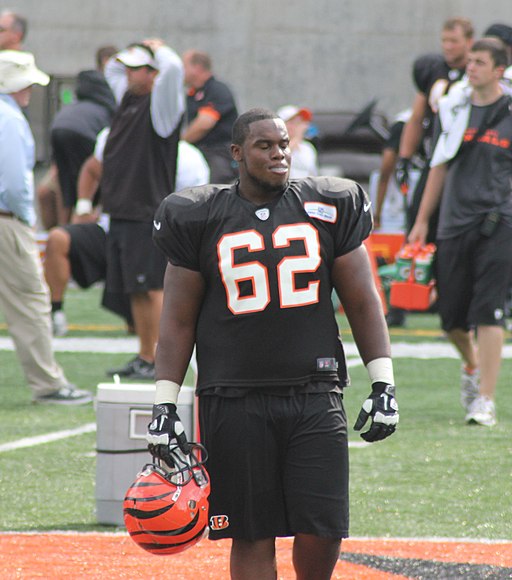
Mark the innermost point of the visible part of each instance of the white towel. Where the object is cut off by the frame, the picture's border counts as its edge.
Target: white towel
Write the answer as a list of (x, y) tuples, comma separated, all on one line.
[(454, 110)]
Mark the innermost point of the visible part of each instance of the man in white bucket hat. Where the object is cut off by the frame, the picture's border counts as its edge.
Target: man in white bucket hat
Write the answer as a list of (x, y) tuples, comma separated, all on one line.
[(24, 298)]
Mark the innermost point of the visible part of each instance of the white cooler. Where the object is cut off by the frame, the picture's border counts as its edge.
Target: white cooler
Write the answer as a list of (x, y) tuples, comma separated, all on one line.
[(122, 415)]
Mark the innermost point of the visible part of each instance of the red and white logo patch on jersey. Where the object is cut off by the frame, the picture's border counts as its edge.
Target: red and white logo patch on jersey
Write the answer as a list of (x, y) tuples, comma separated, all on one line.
[(219, 522), (321, 211)]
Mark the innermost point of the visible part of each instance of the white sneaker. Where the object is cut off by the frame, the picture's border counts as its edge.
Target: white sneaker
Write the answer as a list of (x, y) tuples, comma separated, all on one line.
[(59, 323), (66, 395), (482, 412), (469, 387)]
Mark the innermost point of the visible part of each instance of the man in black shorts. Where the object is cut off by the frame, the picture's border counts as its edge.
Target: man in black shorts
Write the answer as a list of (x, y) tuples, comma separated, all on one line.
[(139, 170), (249, 280), (474, 235)]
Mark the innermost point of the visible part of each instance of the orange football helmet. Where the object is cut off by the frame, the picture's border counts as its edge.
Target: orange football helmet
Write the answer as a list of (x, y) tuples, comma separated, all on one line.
[(166, 508)]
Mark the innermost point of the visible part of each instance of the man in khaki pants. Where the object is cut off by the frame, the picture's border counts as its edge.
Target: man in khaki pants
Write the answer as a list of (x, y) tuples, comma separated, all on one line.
[(24, 297)]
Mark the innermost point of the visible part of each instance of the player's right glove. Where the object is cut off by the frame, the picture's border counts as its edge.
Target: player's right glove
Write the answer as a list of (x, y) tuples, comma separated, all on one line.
[(402, 168), (382, 408), (165, 427)]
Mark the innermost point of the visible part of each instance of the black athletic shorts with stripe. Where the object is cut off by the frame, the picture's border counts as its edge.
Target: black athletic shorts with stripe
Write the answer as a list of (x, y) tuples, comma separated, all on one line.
[(278, 464)]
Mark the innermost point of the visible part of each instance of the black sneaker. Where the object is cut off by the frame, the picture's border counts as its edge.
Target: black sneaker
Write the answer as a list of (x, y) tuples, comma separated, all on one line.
[(395, 318), (137, 368), (66, 395)]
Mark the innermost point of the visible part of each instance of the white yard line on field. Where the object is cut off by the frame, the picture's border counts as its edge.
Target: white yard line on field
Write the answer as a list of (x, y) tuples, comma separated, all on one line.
[(423, 350), (47, 438)]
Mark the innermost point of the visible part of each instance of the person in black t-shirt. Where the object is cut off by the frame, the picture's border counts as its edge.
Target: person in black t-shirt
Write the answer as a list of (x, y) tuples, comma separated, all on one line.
[(249, 280), (433, 75), (211, 112), (474, 237)]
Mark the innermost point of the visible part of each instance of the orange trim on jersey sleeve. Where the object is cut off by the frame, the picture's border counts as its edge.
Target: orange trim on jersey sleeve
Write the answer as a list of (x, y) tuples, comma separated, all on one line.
[(209, 110)]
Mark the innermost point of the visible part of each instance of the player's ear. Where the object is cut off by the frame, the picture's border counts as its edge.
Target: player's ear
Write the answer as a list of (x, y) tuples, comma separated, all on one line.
[(236, 152)]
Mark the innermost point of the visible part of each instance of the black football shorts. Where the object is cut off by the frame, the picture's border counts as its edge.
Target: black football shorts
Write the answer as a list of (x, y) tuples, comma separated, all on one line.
[(474, 274), (134, 263), (87, 253), (278, 465)]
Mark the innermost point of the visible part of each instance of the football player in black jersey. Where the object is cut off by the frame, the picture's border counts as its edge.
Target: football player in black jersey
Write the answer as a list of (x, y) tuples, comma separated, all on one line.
[(249, 280), (433, 75)]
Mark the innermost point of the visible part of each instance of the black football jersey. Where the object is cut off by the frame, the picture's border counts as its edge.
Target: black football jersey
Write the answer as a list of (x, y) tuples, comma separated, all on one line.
[(433, 77), (267, 317)]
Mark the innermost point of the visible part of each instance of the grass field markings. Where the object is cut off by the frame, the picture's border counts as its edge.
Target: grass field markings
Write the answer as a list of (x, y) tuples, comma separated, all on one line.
[(86, 344), (361, 539), (47, 438), (427, 332), (87, 428)]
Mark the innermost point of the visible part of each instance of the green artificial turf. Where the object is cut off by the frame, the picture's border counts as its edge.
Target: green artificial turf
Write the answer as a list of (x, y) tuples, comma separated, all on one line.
[(436, 476)]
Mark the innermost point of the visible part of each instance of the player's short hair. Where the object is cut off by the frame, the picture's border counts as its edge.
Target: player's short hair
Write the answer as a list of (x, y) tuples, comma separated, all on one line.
[(19, 23), (203, 59), (241, 125), (495, 47), (464, 23)]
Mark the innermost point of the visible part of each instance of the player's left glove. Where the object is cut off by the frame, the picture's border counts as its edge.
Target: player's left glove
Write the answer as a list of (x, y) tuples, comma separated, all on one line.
[(382, 408), (165, 427), (402, 168)]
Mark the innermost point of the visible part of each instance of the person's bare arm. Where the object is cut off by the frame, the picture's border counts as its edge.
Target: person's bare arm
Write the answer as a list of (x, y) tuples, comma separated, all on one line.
[(429, 202), (88, 183), (199, 127), (183, 295), (413, 129), (353, 280), (387, 167)]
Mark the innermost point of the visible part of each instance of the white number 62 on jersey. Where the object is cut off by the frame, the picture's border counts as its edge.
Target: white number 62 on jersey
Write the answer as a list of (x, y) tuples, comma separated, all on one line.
[(289, 296)]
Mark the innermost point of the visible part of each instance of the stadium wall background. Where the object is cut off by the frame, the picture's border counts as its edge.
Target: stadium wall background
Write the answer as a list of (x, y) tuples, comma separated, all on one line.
[(325, 54)]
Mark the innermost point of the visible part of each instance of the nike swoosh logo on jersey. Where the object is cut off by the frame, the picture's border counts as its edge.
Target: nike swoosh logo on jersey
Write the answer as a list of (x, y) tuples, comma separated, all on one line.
[(367, 206), (157, 225)]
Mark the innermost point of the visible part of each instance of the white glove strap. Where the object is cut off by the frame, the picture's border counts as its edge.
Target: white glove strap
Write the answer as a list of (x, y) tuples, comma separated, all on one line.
[(83, 206), (166, 392), (380, 370)]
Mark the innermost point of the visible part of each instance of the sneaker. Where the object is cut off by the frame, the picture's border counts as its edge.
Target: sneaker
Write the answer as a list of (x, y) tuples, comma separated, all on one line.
[(482, 412), (137, 368), (469, 387), (395, 318), (67, 395), (59, 323)]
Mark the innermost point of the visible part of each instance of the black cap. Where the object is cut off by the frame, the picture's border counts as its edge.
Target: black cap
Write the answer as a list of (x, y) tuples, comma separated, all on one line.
[(502, 31)]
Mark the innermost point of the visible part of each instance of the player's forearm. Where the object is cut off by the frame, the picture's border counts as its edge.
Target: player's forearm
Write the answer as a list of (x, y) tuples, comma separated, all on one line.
[(411, 137), (412, 132), (365, 315), (173, 354), (198, 128), (353, 280), (89, 179), (432, 193), (386, 170)]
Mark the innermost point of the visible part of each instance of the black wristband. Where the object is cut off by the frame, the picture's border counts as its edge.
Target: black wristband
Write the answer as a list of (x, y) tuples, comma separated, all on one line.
[(379, 388), (163, 409)]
